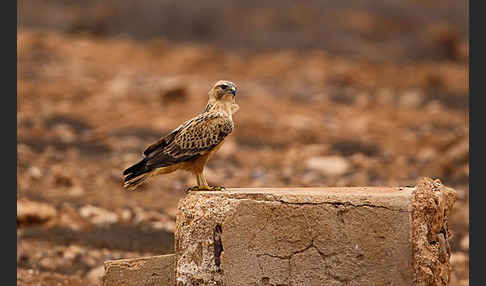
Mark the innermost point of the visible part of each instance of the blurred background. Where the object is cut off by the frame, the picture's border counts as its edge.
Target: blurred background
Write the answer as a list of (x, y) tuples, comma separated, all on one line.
[(331, 93)]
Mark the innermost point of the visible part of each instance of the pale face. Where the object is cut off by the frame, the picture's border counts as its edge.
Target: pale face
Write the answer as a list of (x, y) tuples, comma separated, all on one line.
[(224, 91)]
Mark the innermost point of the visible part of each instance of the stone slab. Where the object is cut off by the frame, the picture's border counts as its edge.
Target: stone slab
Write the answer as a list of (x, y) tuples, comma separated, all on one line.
[(315, 236), (145, 271)]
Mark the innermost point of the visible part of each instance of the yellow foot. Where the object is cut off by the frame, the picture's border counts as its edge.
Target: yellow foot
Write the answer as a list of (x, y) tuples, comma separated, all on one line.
[(217, 188), (191, 189), (205, 188)]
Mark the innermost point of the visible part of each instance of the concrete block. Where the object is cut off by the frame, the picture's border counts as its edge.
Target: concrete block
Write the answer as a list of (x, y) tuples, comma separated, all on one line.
[(145, 271), (315, 236)]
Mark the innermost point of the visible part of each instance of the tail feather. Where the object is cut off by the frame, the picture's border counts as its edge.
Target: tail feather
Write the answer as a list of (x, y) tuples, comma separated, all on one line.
[(136, 167), (132, 184), (136, 175)]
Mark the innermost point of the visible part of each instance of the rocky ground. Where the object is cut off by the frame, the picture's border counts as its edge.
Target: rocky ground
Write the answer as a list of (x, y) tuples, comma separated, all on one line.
[(88, 106)]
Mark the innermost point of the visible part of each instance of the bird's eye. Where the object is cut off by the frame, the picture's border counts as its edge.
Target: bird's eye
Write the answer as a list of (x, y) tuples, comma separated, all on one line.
[(224, 86)]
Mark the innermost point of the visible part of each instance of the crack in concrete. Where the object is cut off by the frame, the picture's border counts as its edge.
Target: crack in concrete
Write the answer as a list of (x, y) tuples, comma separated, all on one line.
[(329, 273), (217, 245), (335, 204), (324, 257), (288, 257)]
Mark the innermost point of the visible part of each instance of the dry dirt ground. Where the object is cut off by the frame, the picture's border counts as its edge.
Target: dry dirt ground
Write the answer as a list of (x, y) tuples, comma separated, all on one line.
[(88, 106)]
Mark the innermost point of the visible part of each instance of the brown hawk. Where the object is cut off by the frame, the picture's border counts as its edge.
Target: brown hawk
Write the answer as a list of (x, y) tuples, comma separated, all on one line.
[(189, 146)]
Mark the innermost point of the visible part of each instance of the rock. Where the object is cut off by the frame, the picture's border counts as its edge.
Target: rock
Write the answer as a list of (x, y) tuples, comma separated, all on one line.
[(73, 252), (31, 277), (34, 212), (154, 270), (465, 243), (98, 215), (61, 180), (315, 236), (75, 191), (411, 99), (329, 165), (126, 215), (432, 204), (35, 172), (95, 275), (48, 263)]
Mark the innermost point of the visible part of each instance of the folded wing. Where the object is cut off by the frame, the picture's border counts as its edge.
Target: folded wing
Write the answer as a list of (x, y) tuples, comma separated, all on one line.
[(194, 138)]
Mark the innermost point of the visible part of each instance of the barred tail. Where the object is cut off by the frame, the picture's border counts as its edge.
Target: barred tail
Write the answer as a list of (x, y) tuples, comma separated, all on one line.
[(136, 175), (133, 183)]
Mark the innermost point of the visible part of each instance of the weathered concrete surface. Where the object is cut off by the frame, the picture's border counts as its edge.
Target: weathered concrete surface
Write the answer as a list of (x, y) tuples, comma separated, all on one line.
[(431, 236), (315, 236), (146, 271)]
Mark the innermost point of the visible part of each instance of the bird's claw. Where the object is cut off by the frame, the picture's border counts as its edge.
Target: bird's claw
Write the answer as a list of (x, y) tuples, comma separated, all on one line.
[(218, 188), (206, 188), (190, 189)]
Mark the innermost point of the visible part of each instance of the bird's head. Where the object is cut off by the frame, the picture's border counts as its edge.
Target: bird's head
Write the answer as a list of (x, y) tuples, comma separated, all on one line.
[(224, 91)]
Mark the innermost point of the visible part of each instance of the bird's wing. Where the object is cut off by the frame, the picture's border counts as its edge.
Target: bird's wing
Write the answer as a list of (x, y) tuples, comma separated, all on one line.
[(193, 138), (164, 141)]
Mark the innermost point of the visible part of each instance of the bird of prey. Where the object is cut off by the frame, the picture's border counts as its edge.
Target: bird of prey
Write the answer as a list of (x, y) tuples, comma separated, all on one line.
[(189, 146)]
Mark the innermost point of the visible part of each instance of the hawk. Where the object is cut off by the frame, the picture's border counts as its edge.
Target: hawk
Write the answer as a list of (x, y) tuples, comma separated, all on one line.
[(189, 146)]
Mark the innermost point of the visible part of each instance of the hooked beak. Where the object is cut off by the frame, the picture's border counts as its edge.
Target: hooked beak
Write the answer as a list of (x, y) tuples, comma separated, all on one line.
[(233, 91)]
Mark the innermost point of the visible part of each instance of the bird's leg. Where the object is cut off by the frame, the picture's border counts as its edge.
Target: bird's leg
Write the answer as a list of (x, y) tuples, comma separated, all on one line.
[(206, 186), (202, 184), (198, 178), (203, 181), (195, 188)]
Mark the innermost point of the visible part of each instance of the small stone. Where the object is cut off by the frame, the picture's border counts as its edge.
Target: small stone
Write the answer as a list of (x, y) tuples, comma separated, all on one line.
[(465, 243), (153, 270), (75, 191), (329, 165), (98, 216), (95, 274), (35, 172), (72, 252), (411, 99), (126, 215), (34, 212), (63, 181), (48, 263)]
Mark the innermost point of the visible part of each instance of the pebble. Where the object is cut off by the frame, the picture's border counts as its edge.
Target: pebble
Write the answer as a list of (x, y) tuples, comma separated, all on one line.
[(465, 243), (97, 215), (34, 212), (95, 274), (329, 165)]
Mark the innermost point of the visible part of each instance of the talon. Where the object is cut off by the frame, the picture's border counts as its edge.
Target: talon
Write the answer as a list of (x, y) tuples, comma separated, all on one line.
[(190, 189), (206, 188)]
